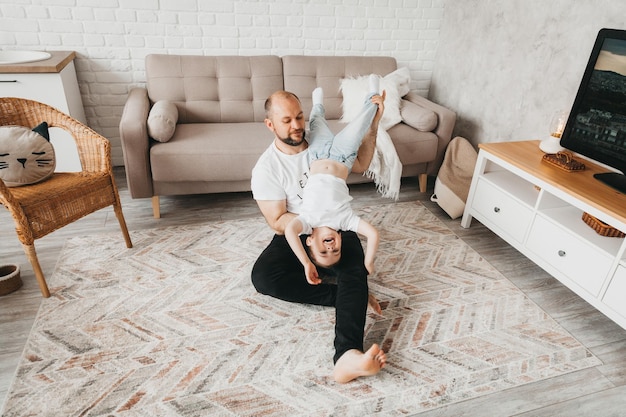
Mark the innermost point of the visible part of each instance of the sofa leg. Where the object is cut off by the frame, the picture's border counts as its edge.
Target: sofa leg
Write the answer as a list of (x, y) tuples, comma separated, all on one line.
[(156, 208), (423, 182)]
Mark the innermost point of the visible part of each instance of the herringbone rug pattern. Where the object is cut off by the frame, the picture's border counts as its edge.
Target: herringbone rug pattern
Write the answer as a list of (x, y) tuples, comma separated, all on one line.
[(174, 327)]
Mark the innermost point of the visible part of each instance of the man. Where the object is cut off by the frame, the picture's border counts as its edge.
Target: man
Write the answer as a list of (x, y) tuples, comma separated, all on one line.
[(277, 182)]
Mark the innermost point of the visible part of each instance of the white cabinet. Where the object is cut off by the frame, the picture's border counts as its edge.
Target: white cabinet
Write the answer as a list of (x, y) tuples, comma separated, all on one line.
[(538, 209), (566, 253), (614, 297), (510, 213), (53, 82)]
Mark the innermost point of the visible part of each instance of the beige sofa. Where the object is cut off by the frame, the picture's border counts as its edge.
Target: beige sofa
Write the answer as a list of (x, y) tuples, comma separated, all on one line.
[(219, 131)]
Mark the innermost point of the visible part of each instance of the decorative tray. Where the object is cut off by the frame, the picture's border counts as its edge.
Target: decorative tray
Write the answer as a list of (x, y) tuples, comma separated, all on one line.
[(563, 160)]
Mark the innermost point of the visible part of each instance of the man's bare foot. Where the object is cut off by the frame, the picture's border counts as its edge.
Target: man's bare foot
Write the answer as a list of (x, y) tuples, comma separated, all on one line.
[(355, 363), (373, 303)]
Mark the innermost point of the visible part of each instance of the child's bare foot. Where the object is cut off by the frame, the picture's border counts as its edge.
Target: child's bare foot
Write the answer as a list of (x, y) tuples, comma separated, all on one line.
[(373, 303), (355, 363)]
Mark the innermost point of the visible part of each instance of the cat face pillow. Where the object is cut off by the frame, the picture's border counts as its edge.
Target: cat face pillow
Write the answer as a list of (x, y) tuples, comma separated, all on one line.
[(26, 156)]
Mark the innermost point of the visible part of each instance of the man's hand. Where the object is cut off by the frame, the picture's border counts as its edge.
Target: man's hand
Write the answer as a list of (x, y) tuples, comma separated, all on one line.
[(368, 145), (380, 102)]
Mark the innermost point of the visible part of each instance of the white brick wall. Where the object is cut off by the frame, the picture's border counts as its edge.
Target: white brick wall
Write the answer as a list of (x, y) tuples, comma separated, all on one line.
[(112, 37)]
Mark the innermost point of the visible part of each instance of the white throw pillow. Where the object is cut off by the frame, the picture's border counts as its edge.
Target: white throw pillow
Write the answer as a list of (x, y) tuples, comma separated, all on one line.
[(402, 78), (162, 120), (354, 91)]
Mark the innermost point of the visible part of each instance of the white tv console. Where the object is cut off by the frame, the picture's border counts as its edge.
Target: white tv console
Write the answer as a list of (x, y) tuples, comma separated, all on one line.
[(537, 208)]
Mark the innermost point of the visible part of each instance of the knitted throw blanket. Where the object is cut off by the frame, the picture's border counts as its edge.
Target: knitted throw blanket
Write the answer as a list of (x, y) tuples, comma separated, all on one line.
[(385, 168)]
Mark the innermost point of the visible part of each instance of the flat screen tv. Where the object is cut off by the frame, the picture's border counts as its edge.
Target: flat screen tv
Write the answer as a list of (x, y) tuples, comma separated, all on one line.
[(596, 126)]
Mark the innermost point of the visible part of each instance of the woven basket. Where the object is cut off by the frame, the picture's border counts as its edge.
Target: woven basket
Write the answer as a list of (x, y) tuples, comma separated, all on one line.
[(564, 160), (600, 227), (9, 279)]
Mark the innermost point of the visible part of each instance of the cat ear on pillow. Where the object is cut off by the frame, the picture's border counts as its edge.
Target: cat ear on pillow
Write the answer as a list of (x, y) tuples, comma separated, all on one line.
[(42, 129), (26, 156)]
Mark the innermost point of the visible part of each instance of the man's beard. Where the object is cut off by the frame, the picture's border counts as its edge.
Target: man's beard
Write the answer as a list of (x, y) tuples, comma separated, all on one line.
[(293, 142)]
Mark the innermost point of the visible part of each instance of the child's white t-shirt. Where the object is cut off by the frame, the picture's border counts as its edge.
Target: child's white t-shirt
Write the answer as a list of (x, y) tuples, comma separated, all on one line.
[(326, 202)]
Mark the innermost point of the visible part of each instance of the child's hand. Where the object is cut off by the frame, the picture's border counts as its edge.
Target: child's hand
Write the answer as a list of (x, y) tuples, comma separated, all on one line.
[(370, 267), (311, 274)]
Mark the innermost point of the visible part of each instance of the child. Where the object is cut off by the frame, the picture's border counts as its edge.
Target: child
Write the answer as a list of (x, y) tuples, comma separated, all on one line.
[(326, 199)]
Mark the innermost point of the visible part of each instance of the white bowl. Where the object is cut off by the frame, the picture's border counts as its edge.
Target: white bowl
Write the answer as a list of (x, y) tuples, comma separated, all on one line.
[(21, 57)]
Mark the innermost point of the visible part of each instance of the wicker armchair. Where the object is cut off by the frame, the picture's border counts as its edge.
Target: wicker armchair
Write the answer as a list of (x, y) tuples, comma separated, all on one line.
[(42, 208)]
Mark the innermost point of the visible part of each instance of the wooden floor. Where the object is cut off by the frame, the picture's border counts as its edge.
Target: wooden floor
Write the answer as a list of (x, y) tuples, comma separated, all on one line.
[(598, 392)]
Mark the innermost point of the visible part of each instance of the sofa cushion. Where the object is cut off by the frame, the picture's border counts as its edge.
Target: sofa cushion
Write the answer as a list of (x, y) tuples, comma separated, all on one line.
[(214, 89), (209, 152), (162, 120), (418, 117), (304, 73)]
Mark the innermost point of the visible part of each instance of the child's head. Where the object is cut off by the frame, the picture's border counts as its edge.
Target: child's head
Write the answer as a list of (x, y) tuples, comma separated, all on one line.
[(324, 246)]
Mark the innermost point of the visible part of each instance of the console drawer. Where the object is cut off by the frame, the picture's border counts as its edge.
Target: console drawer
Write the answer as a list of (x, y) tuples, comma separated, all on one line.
[(508, 214), (46, 88), (569, 255)]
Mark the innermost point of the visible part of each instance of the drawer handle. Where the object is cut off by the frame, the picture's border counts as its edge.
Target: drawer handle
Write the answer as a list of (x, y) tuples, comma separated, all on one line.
[(496, 209), (8, 81), (562, 253)]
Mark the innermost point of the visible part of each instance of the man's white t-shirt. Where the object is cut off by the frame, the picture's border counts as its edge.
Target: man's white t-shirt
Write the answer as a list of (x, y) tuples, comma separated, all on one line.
[(278, 176)]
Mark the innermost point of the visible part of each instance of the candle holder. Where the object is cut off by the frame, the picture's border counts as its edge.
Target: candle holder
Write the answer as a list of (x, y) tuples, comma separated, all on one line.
[(552, 144)]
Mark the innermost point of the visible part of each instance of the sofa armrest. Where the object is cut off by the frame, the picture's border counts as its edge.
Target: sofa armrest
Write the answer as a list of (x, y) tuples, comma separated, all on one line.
[(446, 120), (136, 143)]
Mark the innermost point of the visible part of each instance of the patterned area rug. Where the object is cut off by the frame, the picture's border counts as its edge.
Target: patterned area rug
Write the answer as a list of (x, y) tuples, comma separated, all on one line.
[(174, 327)]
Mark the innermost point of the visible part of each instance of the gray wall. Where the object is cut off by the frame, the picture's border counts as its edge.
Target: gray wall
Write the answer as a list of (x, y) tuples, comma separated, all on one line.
[(506, 66)]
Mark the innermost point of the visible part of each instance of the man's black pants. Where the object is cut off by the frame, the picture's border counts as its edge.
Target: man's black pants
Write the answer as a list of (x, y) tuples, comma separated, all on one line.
[(278, 273)]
